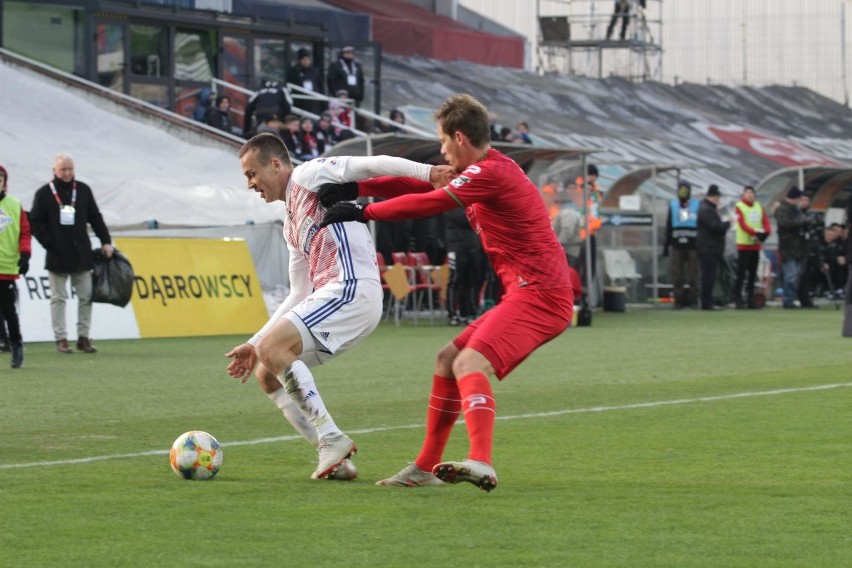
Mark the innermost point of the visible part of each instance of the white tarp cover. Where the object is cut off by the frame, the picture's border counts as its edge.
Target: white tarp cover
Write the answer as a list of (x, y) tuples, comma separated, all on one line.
[(137, 171)]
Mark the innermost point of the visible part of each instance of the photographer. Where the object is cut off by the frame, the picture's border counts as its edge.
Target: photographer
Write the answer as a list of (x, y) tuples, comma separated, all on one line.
[(793, 227), (826, 260)]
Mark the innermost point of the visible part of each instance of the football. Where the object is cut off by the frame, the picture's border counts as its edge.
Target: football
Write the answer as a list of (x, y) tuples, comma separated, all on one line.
[(196, 455)]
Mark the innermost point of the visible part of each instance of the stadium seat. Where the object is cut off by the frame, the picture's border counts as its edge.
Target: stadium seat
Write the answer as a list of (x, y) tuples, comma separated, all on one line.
[(621, 269)]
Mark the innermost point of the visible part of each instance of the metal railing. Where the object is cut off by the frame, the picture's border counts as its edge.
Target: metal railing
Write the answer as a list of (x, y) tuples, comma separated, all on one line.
[(301, 93)]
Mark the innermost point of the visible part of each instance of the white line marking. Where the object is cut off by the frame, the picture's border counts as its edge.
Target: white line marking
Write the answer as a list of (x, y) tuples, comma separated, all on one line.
[(257, 441)]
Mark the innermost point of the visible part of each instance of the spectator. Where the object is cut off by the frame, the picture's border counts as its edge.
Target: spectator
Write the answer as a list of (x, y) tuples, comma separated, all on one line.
[(829, 259), (550, 194), (206, 96), (494, 127), (61, 211), (847, 314), (305, 75), (5, 347), (681, 234), (290, 135), (464, 255), (271, 99), (567, 224), (506, 135), (752, 229), (339, 109), (310, 145), (325, 132), (346, 74), (592, 210), (397, 116), (272, 125), (842, 257), (220, 117), (792, 245), (523, 133), (710, 244), (15, 249)]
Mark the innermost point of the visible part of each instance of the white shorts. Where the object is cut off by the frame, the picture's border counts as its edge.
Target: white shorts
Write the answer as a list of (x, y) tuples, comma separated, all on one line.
[(336, 317)]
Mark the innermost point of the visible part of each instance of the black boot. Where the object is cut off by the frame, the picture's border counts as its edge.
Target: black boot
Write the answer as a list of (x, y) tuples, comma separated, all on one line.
[(17, 355)]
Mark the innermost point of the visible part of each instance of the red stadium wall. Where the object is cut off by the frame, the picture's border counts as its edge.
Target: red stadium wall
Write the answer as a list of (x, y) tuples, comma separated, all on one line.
[(406, 29)]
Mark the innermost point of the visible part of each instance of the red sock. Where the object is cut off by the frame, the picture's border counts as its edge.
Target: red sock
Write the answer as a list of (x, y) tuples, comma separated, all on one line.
[(444, 408), (479, 414)]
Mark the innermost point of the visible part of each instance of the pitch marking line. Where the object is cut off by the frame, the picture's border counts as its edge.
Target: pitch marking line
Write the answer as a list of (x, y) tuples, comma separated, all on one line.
[(655, 404)]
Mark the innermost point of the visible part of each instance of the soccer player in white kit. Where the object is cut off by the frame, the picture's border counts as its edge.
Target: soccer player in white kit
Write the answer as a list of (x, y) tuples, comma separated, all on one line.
[(335, 295)]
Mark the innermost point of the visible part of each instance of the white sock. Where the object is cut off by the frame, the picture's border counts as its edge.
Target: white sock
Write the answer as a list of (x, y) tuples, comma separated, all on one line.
[(293, 415), (299, 384)]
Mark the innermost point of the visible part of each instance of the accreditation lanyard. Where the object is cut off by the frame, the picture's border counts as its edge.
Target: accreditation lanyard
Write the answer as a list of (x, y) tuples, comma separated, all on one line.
[(66, 212)]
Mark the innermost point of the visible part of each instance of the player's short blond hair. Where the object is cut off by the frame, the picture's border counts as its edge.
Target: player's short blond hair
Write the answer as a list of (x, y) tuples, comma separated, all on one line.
[(268, 146), (463, 113)]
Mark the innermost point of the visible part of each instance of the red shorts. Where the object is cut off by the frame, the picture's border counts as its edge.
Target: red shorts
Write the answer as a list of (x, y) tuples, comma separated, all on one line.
[(523, 321)]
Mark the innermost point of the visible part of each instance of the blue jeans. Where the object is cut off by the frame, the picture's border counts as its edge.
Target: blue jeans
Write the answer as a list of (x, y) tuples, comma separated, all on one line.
[(790, 270)]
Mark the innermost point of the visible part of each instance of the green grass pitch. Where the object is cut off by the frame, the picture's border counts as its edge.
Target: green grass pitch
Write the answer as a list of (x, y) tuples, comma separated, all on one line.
[(652, 438)]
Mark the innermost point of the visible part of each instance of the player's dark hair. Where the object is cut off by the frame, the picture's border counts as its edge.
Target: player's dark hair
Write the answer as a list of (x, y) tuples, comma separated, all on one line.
[(268, 146), (463, 113)]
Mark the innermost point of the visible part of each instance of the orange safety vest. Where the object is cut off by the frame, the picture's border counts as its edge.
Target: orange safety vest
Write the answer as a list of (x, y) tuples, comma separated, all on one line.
[(592, 204)]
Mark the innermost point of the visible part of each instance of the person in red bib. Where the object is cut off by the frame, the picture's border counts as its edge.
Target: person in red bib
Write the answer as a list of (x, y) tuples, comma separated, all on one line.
[(505, 208)]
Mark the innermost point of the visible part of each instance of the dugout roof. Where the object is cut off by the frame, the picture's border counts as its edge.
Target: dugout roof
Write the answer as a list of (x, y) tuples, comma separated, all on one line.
[(826, 185)]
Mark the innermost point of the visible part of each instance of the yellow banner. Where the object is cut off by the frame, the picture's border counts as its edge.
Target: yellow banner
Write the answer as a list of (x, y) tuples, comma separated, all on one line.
[(186, 287)]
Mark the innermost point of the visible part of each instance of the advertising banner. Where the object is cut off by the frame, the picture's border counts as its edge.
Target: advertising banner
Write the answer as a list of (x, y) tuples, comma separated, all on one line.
[(182, 287)]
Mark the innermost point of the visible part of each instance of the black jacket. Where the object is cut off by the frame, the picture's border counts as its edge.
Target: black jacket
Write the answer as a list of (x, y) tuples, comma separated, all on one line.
[(68, 246), (271, 99), (337, 74), (791, 221), (711, 230)]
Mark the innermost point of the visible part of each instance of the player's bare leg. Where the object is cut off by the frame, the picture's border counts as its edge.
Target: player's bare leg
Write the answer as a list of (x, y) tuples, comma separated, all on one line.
[(279, 349)]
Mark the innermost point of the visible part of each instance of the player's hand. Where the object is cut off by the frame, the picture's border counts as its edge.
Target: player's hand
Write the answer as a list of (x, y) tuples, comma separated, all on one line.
[(343, 212), (244, 359), (439, 176), (108, 250), (331, 193), (24, 263)]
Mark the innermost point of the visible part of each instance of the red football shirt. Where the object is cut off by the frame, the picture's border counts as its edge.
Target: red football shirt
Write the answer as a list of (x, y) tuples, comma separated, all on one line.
[(503, 206)]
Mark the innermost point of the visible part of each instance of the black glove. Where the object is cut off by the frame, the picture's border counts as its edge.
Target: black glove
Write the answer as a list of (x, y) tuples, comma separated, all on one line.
[(762, 236), (24, 263), (342, 212), (331, 193)]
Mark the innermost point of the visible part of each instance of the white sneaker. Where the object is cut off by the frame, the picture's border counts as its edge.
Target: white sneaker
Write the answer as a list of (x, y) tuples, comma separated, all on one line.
[(479, 473), (346, 471), (333, 451), (411, 476)]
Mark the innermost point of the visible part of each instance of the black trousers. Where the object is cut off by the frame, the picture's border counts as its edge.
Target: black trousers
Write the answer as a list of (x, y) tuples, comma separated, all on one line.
[(709, 266), (465, 283), (746, 271), (8, 295)]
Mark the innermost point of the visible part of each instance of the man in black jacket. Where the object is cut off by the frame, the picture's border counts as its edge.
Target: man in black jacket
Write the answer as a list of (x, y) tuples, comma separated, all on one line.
[(273, 99), (346, 74), (710, 243), (305, 75), (61, 211), (792, 246)]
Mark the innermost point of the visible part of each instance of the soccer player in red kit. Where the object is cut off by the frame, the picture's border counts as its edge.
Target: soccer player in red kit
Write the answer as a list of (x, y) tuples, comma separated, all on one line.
[(506, 210)]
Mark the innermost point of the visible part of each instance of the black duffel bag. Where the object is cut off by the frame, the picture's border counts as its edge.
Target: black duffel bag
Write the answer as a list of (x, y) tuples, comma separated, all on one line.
[(112, 279)]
